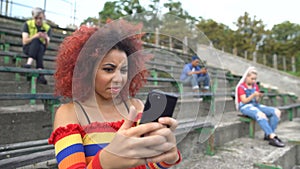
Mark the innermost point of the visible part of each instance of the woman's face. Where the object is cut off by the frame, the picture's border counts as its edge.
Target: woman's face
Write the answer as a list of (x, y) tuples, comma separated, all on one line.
[(39, 19), (251, 79), (111, 75)]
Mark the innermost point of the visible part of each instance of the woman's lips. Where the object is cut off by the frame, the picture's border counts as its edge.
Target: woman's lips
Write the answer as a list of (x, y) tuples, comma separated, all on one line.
[(115, 89)]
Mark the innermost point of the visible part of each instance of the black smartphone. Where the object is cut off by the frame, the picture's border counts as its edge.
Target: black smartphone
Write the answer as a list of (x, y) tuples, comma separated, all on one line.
[(261, 91), (42, 30), (158, 104)]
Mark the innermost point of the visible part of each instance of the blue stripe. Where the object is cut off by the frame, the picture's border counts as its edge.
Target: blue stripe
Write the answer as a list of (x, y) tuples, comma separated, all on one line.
[(68, 151), (160, 166), (92, 149)]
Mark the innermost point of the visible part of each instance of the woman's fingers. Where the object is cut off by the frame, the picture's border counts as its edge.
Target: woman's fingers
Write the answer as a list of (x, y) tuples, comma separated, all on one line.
[(168, 121), (167, 133), (143, 129), (163, 147), (129, 119), (171, 155)]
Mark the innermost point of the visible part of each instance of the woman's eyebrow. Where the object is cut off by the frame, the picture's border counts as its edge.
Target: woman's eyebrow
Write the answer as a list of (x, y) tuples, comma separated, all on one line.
[(110, 64)]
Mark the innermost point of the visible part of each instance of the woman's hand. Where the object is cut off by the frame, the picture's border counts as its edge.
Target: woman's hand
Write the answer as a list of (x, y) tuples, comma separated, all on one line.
[(129, 148), (257, 94), (171, 156)]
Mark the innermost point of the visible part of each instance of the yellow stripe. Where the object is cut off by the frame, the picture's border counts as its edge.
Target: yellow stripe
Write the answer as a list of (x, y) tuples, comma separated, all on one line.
[(156, 166), (98, 138), (67, 141)]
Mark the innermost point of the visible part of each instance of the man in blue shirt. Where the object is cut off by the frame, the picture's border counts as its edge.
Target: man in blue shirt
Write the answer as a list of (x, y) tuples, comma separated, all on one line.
[(193, 75)]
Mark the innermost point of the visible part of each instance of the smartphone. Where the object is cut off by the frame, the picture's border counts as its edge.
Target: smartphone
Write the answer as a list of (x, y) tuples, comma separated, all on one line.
[(261, 91), (42, 30), (158, 104)]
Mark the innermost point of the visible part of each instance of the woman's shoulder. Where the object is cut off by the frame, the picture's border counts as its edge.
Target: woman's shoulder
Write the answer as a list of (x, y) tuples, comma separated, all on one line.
[(65, 115)]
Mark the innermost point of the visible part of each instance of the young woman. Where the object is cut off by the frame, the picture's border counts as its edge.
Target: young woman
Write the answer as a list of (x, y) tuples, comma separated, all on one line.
[(101, 70), (247, 96)]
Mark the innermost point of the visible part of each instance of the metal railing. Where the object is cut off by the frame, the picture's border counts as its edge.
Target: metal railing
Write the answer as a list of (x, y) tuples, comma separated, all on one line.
[(21, 9)]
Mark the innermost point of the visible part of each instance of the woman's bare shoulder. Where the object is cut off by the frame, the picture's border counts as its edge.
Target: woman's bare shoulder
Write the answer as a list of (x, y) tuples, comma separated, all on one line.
[(65, 115)]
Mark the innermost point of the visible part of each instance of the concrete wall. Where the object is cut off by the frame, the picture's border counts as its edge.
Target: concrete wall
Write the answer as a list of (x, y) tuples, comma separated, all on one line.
[(24, 126), (238, 65)]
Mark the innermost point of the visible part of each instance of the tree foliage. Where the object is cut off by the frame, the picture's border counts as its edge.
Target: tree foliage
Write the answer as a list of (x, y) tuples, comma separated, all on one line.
[(220, 35), (251, 35)]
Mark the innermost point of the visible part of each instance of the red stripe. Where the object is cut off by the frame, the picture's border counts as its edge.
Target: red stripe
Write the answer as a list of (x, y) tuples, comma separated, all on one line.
[(96, 162), (77, 166), (103, 126), (151, 165), (62, 132)]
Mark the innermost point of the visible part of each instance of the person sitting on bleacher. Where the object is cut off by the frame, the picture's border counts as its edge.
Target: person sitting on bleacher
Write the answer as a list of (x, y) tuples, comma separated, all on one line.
[(192, 74), (247, 97), (101, 69), (35, 38)]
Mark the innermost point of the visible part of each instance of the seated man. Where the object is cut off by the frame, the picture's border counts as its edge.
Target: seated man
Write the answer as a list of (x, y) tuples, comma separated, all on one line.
[(193, 75), (247, 96), (35, 38)]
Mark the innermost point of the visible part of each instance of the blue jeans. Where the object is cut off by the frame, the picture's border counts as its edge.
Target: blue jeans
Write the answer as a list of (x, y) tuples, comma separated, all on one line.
[(252, 110), (194, 80)]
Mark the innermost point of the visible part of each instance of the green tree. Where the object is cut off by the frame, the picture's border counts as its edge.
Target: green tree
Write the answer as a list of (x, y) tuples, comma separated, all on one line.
[(175, 8), (287, 40), (90, 21), (286, 36), (249, 34), (117, 9), (178, 23), (219, 34)]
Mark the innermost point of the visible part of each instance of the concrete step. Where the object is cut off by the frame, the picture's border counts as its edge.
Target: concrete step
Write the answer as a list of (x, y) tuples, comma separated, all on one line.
[(24, 123), (236, 150), (22, 87), (47, 64)]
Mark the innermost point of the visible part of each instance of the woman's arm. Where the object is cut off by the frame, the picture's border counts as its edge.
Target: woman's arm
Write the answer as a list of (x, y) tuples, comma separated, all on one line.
[(67, 140), (246, 100)]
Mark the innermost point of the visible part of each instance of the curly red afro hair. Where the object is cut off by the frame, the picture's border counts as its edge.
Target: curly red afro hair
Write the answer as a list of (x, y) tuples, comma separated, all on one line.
[(80, 54)]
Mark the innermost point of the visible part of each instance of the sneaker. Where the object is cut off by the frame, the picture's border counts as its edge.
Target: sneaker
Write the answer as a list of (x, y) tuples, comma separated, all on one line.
[(26, 66), (41, 79), (276, 142), (206, 87), (195, 87)]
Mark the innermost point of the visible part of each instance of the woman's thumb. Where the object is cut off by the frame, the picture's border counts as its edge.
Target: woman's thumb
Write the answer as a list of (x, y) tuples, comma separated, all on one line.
[(130, 119)]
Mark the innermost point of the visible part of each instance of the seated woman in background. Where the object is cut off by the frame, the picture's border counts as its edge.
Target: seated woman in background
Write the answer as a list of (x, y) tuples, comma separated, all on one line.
[(101, 70), (247, 96)]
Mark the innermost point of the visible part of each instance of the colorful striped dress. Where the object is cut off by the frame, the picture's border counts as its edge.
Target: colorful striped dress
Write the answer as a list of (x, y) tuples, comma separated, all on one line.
[(79, 147)]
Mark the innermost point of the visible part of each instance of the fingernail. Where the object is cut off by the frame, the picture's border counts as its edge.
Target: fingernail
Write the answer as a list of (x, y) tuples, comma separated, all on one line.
[(161, 120)]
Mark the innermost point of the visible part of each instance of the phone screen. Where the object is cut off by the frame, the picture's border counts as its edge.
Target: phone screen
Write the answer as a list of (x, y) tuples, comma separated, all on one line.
[(158, 104)]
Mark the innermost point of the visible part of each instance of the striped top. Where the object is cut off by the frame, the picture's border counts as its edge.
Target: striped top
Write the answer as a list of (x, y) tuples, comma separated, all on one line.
[(79, 146)]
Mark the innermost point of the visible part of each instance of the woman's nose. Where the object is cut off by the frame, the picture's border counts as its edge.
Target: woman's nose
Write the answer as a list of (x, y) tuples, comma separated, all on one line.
[(117, 77)]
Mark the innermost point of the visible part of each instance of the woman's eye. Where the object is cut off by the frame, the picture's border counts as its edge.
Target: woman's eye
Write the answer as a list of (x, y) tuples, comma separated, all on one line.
[(124, 71), (108, 69)]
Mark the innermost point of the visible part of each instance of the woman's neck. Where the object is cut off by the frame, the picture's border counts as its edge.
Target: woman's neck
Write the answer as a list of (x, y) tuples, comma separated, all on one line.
[(249, 85), (111, 109)]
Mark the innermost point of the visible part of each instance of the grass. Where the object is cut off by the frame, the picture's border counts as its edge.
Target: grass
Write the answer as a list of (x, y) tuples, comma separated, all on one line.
[(294, 73)]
